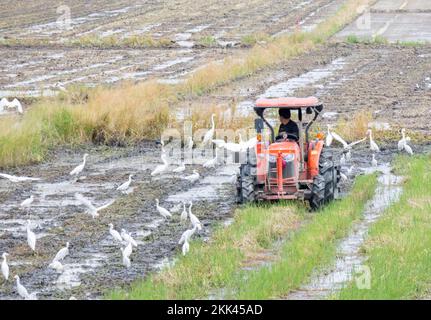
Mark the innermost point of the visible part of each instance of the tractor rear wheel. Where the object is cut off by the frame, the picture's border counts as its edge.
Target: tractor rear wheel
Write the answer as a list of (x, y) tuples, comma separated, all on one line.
[(325, 183), (246, 180), (317, 192)]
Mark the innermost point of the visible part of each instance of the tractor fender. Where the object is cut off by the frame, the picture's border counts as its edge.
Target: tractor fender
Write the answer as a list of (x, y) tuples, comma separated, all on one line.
[(314, 152)]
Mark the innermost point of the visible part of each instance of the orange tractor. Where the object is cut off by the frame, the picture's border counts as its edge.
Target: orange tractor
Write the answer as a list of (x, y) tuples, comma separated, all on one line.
[(291, 167)]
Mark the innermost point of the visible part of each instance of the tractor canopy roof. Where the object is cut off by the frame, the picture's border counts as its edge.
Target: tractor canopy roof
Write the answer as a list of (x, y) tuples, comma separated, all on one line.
[(288, 103)]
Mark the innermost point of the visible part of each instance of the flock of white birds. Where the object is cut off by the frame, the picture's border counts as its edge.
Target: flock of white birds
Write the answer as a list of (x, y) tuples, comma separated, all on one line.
[(124, 238), (374, 148)]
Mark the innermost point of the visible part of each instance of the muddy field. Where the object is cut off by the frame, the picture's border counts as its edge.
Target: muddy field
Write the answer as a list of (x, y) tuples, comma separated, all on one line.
[(393, 82), (94, 264), (43, 70)]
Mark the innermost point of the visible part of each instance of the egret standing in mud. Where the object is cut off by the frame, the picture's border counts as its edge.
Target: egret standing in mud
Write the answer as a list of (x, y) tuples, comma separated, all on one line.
[(193, 177), (180, 169), (125, 186), (210, 133), (162, 167), (193, 219), (31, 237), (343, 160), (62, 253), (212, 162), (22, 291), (184, 214), (128, 238), (114, 233), (4, 266), (77, 171), (402, 144), (186, 248), (125, 258), (373, 145), (187, 235), (163, 212)]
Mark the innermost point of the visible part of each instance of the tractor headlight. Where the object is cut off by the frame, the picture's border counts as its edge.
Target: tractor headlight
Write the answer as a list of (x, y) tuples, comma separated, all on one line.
[(272, 158), (289, 157)]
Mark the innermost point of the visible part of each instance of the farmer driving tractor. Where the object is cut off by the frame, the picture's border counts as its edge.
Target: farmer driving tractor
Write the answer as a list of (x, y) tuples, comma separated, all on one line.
[(288, 128)]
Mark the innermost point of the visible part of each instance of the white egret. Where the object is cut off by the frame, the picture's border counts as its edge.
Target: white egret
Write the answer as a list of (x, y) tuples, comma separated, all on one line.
[(18, 179), (128, 238), (126, 259), (22, 291), (4, 103), (179, 169), (329, 137), (128, 249), (27, 202), (187, 235), (163, 212), (57, 266), (212, 162), (186, 247), (374, 161), (31, 237), (251, 143), (162, 167), (80, 168), (4, 266), (17, 105), (62, 253), (91, 209), (114, 233), (373, 145), (350, 170), (184, 214), (403, 141), (72, 298), (210, 133), (193, 219), (126, 184), (193, 177)]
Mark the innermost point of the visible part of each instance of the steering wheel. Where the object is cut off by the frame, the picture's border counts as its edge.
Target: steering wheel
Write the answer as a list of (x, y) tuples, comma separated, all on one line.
[(287, 136)]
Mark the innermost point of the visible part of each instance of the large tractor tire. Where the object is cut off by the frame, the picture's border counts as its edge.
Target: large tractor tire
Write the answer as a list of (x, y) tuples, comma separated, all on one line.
[(246, 180), (317, 199), (325, 183), (328, 170)]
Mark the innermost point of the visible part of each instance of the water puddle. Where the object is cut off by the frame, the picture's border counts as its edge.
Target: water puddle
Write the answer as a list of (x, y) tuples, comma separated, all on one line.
[(349, 258)]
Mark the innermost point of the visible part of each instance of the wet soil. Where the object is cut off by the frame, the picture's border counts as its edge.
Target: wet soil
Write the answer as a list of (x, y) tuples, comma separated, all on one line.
[(94, 264)]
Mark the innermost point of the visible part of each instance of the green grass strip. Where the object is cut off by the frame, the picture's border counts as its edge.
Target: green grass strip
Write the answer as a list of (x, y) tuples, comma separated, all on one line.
[(399, 244), (217, 264), (311, 248)]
